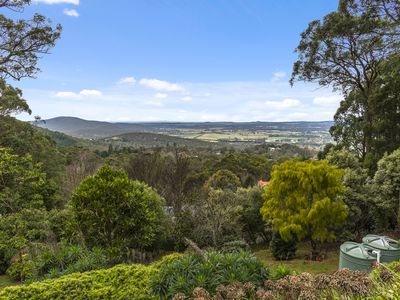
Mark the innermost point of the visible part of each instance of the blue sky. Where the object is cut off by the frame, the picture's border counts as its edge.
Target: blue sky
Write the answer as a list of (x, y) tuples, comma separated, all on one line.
[(177, 60)]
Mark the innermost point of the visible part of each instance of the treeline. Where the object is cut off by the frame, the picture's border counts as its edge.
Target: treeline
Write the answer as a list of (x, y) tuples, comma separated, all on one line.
[(62, 208), (70, 209), (76, 210), (355, 50)]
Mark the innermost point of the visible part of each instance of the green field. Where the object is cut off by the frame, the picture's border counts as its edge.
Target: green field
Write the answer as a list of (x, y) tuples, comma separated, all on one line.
[(315, 138), (300, 264)]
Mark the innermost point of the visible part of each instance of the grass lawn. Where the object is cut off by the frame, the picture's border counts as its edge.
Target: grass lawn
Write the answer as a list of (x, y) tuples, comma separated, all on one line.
[(300, 264), (6, 281)]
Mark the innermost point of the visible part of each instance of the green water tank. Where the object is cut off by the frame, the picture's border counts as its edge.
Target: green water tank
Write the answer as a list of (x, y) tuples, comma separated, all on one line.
[(357, 257), (389, 248)]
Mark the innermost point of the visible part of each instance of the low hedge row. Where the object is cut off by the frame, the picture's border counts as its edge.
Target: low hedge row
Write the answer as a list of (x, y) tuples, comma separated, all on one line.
[(119, 282)]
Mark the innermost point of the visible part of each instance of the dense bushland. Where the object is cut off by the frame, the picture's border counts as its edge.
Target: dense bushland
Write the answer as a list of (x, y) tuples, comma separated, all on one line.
[(190, 271), (71, 207), (44, 261)]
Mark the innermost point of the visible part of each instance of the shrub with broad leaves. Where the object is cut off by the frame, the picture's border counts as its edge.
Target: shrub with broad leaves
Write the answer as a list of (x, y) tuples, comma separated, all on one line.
[(188, 272)]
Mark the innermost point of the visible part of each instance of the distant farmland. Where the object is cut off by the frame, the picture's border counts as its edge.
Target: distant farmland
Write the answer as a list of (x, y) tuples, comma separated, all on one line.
[(306, 134)]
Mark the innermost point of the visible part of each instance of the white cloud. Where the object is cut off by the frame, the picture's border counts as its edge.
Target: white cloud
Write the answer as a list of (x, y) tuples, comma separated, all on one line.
[(238, 101), (284, 104), (74, 2), (67, 95), (278, 76), (127, 81), (327, 100), (94, 93), (71, 12), (187, 99), (161, 95), (83, 93), (160, 85)]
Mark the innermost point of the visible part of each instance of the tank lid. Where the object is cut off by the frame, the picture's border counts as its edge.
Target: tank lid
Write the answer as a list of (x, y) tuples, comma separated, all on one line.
[(381, 242), (358, 250)]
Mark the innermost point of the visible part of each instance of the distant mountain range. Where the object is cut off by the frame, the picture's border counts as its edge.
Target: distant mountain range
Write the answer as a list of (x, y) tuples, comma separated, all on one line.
[(80, 128), (86, 129)]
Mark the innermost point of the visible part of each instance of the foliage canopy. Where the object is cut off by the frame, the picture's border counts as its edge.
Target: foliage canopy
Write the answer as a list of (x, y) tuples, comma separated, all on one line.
[(114, 212), (302, 200)]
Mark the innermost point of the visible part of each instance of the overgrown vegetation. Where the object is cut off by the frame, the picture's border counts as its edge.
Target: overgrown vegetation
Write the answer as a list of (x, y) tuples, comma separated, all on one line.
[(73, 210), (343, 284), (303, 202), (118, 282), (190, 271)]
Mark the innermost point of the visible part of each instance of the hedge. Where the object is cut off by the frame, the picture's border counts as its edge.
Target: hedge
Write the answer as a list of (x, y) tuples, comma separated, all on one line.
[(119, 282)]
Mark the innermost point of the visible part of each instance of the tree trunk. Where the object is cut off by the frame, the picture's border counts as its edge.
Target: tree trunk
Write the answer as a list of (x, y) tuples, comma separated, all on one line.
[(314, 250), (202, 254)]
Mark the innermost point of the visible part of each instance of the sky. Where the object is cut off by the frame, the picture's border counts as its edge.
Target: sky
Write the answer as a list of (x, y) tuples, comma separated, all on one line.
[(176, 60)]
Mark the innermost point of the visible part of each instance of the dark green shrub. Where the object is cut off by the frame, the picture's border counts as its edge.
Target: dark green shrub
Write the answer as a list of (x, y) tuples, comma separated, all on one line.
[(188, 272), (235, 246), (52, 261), (183, 227), (18, 231), (117, 214), (254, 228), (281, 249)]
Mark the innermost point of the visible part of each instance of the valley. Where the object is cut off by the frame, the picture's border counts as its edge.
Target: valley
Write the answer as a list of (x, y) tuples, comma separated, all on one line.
[(313, 135)]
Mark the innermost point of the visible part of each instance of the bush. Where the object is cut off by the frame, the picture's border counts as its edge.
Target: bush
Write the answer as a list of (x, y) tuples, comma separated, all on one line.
[(386, 279), (235, 246), (254, 227), (116, 213), (52, 261), (281, 249), (188, 272), (19, 231), (119, 282), (281, 272)]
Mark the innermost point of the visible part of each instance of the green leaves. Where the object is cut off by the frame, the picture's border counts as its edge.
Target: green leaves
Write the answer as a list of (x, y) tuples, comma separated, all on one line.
[(19, 230), (23, 41), (386, 184), (188, 272), (44, 261), (119, 282), (224, 180), (302, 200), (116, 213), (22, 183), (11, 101), (355, 50)]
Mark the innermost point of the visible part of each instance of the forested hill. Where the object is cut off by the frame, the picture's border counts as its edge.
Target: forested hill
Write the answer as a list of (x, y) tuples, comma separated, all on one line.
[(96, 129), (83, 128)]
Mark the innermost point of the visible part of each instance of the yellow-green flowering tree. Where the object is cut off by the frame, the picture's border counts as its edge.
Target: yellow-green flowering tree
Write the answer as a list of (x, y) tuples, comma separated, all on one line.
[(303, 201)]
